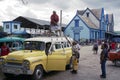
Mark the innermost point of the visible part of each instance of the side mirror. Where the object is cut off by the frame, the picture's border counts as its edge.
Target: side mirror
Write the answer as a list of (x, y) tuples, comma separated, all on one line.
[(49, 52)]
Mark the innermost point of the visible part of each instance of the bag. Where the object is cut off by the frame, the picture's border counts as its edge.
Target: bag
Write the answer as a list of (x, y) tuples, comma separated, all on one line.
[(77, 54)]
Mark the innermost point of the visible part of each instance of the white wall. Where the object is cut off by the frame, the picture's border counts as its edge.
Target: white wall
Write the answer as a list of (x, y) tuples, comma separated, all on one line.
[(4, 28), (19, 29)]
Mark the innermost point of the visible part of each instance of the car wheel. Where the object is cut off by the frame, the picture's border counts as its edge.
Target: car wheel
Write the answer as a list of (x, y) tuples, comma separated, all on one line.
[(38, 73)]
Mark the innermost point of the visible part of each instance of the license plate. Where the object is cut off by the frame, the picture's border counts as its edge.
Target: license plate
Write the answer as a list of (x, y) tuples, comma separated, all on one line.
[(13, 71)]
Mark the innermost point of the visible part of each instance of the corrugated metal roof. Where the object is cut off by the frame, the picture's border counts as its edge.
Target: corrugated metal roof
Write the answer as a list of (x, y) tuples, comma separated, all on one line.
[(38, 21), (27, 22), (89, 22), (97, 12)]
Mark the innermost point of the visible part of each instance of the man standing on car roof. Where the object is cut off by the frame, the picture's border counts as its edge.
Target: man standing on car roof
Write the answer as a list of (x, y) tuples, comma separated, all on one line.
[(54, 23)]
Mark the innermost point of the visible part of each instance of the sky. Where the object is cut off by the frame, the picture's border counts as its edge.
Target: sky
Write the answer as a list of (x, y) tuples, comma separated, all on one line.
[(42, 9)]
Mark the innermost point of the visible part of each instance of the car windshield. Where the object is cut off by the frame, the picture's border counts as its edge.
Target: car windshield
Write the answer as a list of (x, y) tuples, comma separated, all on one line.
[(117, 50), (34, 45)]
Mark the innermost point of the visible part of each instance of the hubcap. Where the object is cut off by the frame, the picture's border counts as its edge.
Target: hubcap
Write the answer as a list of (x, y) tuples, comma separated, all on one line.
[(38, 73)]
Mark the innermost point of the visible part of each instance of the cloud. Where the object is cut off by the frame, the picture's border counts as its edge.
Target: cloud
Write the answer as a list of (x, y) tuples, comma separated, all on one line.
[(102, 3), (29, 13), (38, 1), (59, 4)]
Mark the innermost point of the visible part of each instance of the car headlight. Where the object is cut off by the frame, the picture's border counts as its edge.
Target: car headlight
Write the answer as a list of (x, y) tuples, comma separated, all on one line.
[(2, 60), (26, 64)]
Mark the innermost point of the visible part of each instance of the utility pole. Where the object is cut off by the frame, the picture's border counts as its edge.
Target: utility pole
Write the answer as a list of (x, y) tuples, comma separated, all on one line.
[(60, 22)]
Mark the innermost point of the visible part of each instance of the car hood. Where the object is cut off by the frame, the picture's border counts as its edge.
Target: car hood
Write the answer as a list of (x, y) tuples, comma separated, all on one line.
[(23, 54)]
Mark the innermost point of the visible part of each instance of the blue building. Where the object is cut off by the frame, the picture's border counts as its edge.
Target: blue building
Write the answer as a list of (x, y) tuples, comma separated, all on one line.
[(25, 25), (90, 24), (12, 26)]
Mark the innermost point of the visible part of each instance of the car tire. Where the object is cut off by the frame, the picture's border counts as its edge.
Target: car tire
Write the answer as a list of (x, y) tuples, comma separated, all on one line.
[(38, 73)]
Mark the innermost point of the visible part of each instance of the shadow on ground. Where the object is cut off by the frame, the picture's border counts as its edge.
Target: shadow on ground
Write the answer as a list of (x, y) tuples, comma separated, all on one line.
[(24, 77)]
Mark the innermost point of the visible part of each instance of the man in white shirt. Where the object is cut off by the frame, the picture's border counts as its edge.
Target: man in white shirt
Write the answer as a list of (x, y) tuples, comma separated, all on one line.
[(75, 56)]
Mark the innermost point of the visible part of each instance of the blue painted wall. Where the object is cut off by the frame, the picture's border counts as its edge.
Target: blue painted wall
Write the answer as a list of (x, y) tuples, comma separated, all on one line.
[(83, 28), (11, 28), (86, 32)]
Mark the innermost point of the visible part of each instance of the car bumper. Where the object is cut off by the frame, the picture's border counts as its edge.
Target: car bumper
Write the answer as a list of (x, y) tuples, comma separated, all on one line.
[(16, 70)]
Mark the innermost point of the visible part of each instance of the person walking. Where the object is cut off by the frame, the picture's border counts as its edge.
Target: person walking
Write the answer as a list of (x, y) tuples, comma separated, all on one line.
[(95, 48), (54, 23), (103, 59)]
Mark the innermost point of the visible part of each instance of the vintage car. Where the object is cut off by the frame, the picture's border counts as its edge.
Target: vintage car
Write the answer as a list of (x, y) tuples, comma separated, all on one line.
[(40, 54), (114, 56), (14, 43)]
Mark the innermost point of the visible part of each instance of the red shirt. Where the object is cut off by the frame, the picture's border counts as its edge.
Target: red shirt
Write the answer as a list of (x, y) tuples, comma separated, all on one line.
[(4, 50), (54, 19), (113, 45)]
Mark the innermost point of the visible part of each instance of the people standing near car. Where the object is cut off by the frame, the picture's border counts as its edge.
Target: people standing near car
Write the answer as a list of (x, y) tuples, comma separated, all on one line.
[(54, 23), (113, 45), (75, 56), (0, 51), (103, 59), (4, 50), (95, 48)]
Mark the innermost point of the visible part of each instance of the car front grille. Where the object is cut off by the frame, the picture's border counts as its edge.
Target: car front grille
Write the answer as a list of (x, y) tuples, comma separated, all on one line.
[(14, 64)]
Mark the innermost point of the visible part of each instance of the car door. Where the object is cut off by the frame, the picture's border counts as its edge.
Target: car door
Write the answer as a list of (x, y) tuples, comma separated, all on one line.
[(118, 54), (57, 59)]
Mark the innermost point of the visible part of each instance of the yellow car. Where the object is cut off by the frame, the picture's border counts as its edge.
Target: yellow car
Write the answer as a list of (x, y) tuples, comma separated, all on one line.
[(40, 54)]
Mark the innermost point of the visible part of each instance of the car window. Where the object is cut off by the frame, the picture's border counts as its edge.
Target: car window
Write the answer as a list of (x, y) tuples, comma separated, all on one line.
[(34, 45), (58, 45), (47, 47), (64, 44), (15, 44)]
